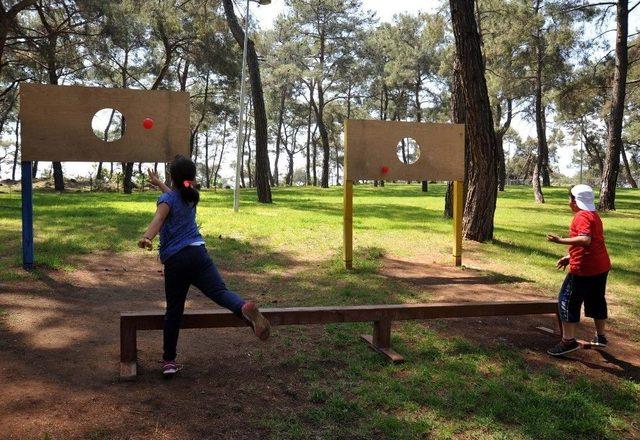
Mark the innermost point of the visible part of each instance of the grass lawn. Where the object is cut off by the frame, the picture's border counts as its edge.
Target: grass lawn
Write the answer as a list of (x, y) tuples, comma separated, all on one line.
[(450, 388)]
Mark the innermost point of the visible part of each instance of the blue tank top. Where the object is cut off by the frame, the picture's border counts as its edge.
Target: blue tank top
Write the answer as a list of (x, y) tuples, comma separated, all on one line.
[(179, 229)]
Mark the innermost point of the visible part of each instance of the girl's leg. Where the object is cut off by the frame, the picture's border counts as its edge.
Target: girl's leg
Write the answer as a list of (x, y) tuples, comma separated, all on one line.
[(208, 280), (176, 286)]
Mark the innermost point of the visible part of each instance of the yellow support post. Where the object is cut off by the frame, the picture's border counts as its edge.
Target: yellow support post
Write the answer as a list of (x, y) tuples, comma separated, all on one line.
[(457, 222), (348, 204), (348, 224)]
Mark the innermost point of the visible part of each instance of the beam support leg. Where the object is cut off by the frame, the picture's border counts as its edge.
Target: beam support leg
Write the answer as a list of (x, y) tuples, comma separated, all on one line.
[(128, 350), (381, 340)]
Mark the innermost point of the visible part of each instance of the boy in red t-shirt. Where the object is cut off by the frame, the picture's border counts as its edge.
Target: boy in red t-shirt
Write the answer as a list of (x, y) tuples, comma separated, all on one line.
[(589, 266)]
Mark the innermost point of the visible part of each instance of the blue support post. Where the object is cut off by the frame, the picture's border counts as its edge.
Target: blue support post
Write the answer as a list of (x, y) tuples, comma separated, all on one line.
[(27, 216)]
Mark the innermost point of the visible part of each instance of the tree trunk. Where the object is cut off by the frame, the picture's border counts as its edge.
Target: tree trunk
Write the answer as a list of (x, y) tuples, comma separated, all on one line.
[(314, 140), (34, 169), (593, 152), (106, 139), (614, 137), (242, 184), (17, 150), (308, 148), (500, 132), (207, 176), (183, 86), (194, 152), (425, 183), (627, 169), (482, 188), (319, 110), (540, 126), (58, 178), (502, 168), (248, 140), (543, 149), (224, 138), (260, 117), (6, 18), (535, 180), (324, 138), (458, 116), (283, 97), (100, 171), (127, 184)]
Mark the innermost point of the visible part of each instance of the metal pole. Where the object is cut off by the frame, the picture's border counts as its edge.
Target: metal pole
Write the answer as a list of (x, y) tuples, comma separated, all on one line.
[(581, 150), (240, 137), (27, 216)]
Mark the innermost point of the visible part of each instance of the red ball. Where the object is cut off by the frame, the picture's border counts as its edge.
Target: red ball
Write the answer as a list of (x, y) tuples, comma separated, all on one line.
[(384, 169), (147, 123)]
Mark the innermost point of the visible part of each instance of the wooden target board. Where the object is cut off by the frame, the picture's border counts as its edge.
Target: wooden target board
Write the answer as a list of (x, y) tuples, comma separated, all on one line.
[(370, 153), (370, 150), (56, 124)]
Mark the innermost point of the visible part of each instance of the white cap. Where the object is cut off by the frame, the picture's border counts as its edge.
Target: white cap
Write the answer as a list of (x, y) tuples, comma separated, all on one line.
[(584, 197)]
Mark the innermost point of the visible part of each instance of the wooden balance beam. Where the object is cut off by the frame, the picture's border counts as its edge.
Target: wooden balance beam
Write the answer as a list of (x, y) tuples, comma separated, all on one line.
[(381, 315)]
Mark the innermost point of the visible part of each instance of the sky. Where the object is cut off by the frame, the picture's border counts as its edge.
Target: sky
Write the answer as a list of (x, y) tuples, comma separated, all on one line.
[(385, 10)]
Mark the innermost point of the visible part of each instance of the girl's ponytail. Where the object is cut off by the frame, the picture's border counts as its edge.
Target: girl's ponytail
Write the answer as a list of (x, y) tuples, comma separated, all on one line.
[(183, 175), (189, 193)]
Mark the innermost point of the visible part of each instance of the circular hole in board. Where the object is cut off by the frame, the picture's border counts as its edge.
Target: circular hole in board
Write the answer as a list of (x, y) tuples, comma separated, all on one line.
[(408, 150), (108, 124)]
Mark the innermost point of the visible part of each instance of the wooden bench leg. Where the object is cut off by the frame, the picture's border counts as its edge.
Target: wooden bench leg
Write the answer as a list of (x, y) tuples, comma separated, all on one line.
[(128, 350), (381, 340)]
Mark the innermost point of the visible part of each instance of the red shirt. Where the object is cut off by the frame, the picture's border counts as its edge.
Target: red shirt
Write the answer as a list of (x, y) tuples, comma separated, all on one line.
[(592, 259)]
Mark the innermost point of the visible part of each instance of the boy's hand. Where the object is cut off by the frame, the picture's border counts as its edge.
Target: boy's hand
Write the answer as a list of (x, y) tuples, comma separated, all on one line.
[(553, 238), (153, 178), (145, 243), (562, 263)]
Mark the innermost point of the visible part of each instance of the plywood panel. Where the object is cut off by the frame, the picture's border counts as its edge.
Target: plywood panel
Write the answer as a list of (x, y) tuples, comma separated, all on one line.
[(371, 145), (56, 124)]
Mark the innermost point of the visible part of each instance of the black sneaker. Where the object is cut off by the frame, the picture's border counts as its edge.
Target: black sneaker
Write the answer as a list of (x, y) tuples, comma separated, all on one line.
[(599, 340), (564, 347)]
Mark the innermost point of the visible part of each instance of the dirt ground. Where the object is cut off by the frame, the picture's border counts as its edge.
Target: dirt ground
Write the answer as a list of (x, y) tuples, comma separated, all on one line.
[(59, 352)]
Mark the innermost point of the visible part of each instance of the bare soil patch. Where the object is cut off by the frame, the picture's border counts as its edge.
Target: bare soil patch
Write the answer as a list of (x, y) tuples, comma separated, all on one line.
[(59, 345)]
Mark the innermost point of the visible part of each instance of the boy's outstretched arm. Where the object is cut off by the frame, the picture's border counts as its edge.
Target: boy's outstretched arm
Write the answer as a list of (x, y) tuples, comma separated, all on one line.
[(155, 181), (580, 240), (154, 227)]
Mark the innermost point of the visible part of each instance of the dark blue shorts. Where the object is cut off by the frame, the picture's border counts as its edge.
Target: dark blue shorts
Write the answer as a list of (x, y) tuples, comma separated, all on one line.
[(577, 289)]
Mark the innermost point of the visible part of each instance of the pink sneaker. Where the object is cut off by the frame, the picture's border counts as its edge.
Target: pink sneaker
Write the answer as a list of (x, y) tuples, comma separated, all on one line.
[(169, 368), (259, 323)]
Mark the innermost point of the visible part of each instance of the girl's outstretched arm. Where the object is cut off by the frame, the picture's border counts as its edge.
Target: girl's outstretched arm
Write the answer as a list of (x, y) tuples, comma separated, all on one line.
[(154, 227), (155, 181)]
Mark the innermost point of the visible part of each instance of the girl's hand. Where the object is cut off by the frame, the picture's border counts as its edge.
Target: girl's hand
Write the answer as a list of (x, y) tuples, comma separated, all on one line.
[(562, 263), (145, 243), (153, 178), (553, 238)]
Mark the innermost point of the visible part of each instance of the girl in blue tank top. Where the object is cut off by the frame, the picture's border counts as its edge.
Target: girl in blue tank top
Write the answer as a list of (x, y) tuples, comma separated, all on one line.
[(186, 261)]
